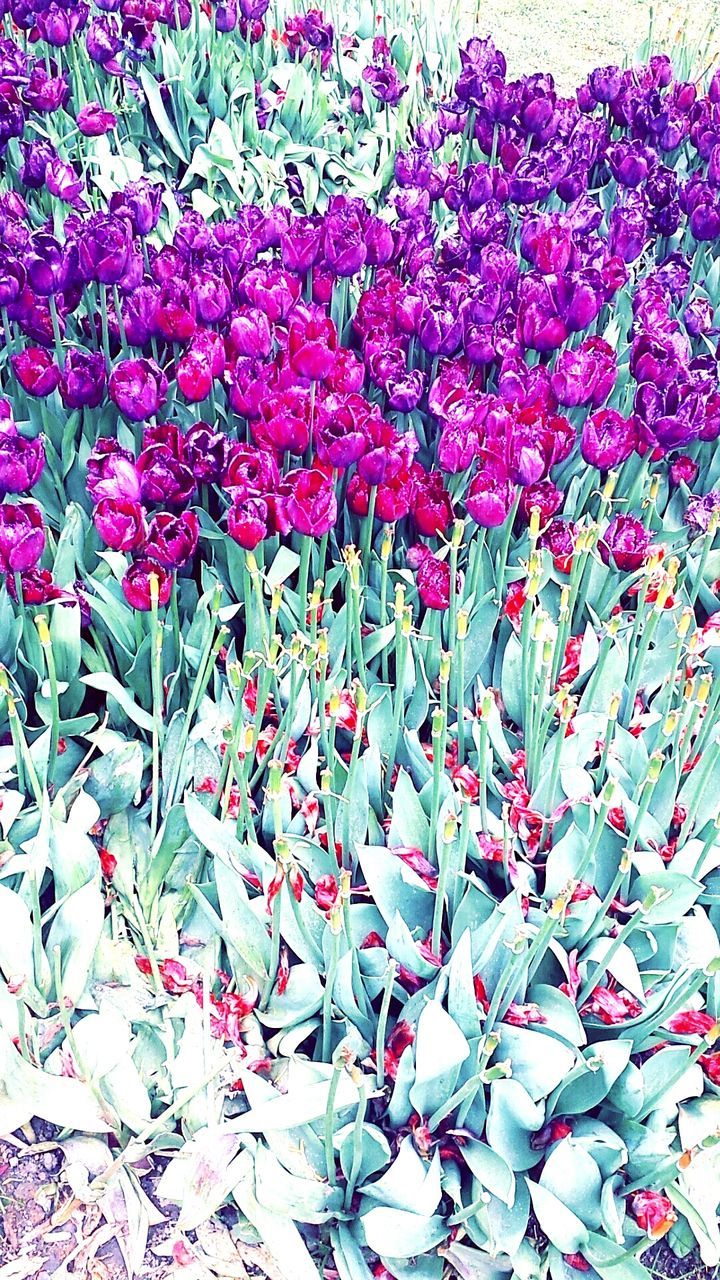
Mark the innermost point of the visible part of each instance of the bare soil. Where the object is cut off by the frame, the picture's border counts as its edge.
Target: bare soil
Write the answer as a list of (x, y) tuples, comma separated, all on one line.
[(573, 37)]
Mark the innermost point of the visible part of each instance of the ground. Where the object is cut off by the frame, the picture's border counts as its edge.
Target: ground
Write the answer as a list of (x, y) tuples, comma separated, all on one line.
[(573, 37)]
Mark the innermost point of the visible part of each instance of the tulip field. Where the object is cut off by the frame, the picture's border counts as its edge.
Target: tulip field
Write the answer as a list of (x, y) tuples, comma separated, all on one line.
[(359, 648)]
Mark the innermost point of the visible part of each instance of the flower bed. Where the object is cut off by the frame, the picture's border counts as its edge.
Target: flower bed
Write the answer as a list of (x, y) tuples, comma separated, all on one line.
[(359, 635)]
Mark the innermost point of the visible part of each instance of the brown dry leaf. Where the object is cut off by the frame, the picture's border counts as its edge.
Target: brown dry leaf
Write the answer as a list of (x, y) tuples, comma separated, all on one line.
[(20, 1268), (219, 1253), (256, 1255)]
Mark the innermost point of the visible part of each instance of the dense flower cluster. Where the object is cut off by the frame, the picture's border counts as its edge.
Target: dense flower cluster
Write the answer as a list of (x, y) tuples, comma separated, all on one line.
[(360, 623)]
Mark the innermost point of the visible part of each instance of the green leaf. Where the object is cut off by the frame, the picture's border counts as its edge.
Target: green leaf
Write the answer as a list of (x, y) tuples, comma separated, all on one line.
[(113, 779), (397, 1233), (26, 1091), (512, 1119), (562, 1227), (440, 1050), (107, 683), (572, 1175), (159, 113)]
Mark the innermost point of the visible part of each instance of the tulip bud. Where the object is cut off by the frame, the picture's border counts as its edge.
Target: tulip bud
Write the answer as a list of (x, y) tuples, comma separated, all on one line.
[(486, 705), (334, 704), (462, 624), (326, 782), (407, 622), (445, 665), (234, 675), (534, 528), (438, 723), (322, 646), (457, 533), (275, 601), (386, 544), (564, 611), (614, 707), (399, 601)]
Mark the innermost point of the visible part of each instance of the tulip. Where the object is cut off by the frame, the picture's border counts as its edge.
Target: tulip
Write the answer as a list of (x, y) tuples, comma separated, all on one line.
[(22, 536), (140, 203), (36, 587), (194, 375), (137, 584), (111, 473), (93, 120), (312, 343), (585, 375), (691, 1022), (308, 502), (432, 577), (683, 470), (172, 540), (120, 523), (164, 478), (251, 470), (105, 248), (206, 453), (385, 84), (653, 1212), (344, 243), (248, 521), (62, 181), (432, 508), (608, 438), (21, 460), (138, 388), (250, 334), (625, 542), (83, 382), (36, 371), (301, 244)]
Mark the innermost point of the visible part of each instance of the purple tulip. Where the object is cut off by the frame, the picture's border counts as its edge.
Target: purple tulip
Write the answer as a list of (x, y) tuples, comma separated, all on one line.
[(607, 438), (172, 540), (344, 244), (490, 497), (120, 523), (585, 375), (164, 478), (83, 381), (139, 203), (105, 248), (625, 543), (21, 460), (138, 388), (385, 84), (206, 453), (22, 536), (93, 120), (111, 473)]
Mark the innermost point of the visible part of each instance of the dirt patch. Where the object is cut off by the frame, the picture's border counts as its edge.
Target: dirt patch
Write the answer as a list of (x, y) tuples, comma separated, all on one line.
[(572, 39)]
